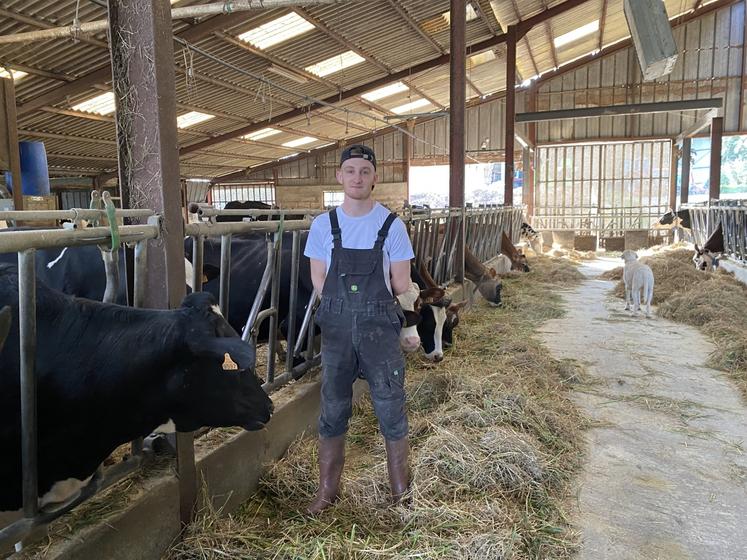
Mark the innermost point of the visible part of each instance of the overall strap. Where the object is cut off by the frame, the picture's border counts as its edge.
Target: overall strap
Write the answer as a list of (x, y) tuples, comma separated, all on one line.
[(336, 231), (384, 231)]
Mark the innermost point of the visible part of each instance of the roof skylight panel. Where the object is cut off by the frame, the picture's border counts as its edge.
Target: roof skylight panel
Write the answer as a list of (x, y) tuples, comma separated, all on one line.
[(277, 31), (261, 133), (8, 72), (101, 104), (300, 142), (386, 91), (335, 64), (577, 34), (407, 107), (192, 118)]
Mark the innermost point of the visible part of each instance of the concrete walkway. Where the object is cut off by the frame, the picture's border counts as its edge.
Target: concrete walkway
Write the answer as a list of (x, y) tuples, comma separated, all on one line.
[(666, 473)]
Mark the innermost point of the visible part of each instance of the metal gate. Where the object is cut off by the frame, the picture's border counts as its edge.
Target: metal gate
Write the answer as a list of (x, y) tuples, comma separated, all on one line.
[(602, 189)]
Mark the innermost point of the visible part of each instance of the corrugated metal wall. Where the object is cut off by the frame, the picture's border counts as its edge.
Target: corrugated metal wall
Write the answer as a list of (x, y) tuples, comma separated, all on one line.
[(711, 64)]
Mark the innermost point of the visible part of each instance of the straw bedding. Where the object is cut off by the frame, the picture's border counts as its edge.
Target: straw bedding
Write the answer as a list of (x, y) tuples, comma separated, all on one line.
[(715, 302), (495, 443)]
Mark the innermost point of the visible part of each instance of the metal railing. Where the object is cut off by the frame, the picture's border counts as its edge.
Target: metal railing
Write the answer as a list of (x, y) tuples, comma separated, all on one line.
[(433, 233), (733, 219), (271, 278), (26, 243), (603, 222)]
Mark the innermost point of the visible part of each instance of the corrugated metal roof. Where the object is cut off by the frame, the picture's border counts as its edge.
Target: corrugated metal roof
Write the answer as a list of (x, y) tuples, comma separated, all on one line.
[(374, 29)]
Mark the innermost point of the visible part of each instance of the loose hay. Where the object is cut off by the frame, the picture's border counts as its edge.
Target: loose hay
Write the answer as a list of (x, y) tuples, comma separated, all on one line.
[(715, 302), (495, 442)]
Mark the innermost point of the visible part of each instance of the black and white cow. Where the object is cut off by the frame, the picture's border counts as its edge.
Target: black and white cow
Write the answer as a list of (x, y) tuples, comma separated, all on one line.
[(707, 257), (107, 374), (531, 238), (245, 205), (681, 218), (438, 316)]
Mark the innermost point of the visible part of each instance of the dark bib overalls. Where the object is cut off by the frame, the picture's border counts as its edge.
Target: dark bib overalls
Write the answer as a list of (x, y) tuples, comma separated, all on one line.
[(360, 322)]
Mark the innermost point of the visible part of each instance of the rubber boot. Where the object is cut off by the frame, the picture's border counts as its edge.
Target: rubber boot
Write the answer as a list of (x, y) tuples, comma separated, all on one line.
[(331, 461), (397, 464)]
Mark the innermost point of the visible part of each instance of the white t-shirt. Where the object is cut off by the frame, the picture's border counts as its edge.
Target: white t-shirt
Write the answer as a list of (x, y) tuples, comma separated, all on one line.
[(360, 233)]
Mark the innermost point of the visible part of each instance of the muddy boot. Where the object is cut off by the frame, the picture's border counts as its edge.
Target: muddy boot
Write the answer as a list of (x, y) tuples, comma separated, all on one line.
[(397, 465), (331, 461)]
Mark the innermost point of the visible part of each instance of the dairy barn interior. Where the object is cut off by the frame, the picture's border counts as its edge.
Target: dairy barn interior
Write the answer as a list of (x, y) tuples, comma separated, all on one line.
[(531, 148)]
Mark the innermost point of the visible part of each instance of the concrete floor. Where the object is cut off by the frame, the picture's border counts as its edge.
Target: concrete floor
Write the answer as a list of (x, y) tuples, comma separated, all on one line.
[(666, 474)]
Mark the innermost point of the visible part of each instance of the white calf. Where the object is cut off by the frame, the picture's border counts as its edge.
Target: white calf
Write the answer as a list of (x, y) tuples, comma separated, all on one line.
[(638, 278)]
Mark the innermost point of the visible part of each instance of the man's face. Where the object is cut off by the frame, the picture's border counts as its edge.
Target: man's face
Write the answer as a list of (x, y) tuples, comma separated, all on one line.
[(357, 177)]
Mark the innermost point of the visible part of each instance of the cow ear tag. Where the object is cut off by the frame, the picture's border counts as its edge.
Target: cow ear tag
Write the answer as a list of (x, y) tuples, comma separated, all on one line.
[(228, 363), (354, 288)]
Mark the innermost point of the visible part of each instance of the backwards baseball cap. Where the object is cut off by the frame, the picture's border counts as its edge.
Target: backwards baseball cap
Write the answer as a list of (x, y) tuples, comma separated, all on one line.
[(358, 151)]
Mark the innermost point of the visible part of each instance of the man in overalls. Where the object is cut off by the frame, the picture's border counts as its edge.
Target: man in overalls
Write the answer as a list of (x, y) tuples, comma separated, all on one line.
[(360, 259)]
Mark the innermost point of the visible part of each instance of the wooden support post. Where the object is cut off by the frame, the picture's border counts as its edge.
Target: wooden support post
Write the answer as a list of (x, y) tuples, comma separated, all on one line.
[(508, 188), (406, 157), (142, 60), (717, 132), (10, 139)]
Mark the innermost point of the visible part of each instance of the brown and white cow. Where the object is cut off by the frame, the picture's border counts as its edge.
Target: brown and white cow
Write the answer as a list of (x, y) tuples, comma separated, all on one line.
[(518, 259)]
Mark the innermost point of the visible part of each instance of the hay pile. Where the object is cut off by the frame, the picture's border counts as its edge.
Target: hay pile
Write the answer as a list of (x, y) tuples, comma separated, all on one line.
[(715, 302), (494, 440)]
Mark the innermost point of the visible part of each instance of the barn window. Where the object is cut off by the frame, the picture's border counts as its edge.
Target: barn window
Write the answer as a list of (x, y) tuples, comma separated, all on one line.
[(258, 192)]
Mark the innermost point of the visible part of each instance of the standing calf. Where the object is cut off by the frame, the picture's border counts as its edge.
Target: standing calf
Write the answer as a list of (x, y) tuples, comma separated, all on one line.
[(637, 277)]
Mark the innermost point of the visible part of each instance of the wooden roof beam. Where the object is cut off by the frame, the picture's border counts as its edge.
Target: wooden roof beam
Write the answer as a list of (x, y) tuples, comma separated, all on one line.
[(415, 27), (474, 88), (526, 40), (41, 24)]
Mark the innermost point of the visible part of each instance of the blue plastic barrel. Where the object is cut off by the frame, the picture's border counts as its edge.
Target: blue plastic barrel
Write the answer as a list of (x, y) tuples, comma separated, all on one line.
[(34, 170)]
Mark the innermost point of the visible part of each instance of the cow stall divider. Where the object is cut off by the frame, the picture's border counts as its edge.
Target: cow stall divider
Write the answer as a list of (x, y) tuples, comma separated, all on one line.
[(434, 232), (732, 215), (270, 281), (25, 243)]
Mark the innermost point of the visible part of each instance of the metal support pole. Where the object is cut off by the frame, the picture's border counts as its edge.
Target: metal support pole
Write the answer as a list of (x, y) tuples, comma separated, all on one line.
[(138, 299), (508, 188), (717, 131), (272, 336), (457, 95), (673, 178), (198, 252), (686, 159), (27, 335), (293, 298), (142, 62), (529, 172), (225, 273)]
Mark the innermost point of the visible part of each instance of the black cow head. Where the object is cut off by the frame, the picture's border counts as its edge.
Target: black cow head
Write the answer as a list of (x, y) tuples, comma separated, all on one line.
[(216, 385), (432, 322)]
